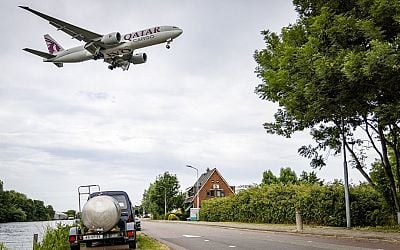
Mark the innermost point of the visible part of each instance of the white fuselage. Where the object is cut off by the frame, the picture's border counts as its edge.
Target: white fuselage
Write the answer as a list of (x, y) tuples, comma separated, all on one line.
[(129, 43)]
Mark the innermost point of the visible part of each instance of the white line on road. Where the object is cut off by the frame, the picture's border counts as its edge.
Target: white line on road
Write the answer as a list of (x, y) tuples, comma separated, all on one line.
[(232, 246), (190, 236), (206, 240)]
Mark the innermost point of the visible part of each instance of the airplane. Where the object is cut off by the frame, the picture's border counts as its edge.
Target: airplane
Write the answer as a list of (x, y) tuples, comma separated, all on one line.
[(114, 48)]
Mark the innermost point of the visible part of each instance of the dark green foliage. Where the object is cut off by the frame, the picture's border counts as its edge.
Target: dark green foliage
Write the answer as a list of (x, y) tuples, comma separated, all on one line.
[(166, 186), (287, 176), (269, 178), (318, 204), (339, 64), (15, 206)]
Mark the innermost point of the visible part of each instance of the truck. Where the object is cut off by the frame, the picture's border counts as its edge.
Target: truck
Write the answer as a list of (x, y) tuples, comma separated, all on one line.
[(107, 218)]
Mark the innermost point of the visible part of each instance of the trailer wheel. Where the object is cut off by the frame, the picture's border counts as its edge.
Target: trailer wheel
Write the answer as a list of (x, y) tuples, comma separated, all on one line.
[(75, 247), (132, 244)]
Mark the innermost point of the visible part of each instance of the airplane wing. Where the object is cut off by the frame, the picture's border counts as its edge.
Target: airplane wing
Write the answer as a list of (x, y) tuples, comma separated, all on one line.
[(72, 30)]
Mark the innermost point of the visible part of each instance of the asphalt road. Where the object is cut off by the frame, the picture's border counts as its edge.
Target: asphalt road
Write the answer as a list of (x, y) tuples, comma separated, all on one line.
[(188, 236)]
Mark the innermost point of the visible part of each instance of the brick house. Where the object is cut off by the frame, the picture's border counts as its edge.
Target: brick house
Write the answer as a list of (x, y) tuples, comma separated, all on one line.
[(211, 184)]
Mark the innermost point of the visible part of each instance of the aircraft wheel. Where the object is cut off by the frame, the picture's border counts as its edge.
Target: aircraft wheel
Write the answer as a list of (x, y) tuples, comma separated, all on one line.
[(168, 46)]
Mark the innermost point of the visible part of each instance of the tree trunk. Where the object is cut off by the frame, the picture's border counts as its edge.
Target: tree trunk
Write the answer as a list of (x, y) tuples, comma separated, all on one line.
[(387, 168), (359, 166)]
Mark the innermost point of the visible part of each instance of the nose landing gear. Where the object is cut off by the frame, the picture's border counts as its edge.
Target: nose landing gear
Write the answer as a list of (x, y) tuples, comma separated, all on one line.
[(168, 43)]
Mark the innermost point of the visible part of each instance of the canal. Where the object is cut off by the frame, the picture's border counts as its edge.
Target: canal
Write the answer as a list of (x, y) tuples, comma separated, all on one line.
[(19, 235)]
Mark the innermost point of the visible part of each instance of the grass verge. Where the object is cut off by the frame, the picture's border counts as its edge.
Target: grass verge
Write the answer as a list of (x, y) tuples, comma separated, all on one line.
[(3, 246), (147, 243), (54, 239)]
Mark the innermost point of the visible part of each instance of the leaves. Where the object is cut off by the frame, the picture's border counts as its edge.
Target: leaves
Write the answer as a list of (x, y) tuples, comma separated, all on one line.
[(319, 205), (340, 62)]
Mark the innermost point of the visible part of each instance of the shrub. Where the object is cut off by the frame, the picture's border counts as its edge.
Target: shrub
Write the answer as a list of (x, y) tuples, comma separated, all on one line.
[(318, 204), (172, 217), (55, 239)]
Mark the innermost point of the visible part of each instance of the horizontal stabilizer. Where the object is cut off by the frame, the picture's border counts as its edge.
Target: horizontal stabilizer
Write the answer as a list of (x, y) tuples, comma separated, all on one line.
[(40, 53)]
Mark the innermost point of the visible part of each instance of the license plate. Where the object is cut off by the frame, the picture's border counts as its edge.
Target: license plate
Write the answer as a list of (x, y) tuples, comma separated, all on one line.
[(115, 235), (93, 237)]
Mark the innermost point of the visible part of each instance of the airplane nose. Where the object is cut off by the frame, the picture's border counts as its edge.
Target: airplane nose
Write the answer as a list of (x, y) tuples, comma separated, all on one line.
[(179, 31)]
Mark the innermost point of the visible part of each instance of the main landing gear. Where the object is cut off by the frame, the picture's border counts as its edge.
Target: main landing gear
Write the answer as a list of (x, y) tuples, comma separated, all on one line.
[(98, 56), (112, 65)]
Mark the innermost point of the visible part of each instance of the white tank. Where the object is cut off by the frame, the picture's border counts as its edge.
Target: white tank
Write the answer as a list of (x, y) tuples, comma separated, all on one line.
[(101, 213)]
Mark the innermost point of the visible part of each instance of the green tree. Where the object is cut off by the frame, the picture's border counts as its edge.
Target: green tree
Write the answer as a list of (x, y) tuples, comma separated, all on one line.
[(310, 178), (336, 71), (287, 176), (269, 178), (70, 213), (166, 187)]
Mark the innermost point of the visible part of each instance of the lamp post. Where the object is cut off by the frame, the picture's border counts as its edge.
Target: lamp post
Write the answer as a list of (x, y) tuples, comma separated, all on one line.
[(197, 184), (346, 179), (165, 202)]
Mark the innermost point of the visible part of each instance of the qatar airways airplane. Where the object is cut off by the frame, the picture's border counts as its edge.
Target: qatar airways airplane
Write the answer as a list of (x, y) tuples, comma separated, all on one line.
[(114, 48)]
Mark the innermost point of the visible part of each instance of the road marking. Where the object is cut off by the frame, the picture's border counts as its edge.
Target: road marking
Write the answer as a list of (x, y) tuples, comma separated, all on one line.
[(232, 246), (206, 240), (309, 241), (190, 236)]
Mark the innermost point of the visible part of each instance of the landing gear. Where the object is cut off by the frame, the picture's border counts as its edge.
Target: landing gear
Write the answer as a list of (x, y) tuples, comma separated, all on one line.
[(168, 43), (111, 67), (98, 56)]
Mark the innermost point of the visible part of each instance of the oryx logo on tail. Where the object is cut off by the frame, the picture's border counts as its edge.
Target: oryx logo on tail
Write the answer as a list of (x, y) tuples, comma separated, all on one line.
[(52, 45)]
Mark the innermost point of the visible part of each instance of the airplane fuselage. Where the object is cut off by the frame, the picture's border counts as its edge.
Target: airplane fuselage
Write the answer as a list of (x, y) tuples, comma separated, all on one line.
[(129, 43)]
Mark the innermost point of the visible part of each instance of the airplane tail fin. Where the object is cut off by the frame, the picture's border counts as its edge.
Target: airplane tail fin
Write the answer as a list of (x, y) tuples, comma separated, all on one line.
[(52, 45)]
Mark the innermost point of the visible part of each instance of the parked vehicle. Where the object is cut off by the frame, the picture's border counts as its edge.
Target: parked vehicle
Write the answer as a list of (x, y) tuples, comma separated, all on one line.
[(107, 217), (138, 224)]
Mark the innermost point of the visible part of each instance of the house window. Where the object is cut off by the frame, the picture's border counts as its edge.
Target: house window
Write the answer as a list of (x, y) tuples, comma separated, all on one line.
[(216, 186), (219, 193)]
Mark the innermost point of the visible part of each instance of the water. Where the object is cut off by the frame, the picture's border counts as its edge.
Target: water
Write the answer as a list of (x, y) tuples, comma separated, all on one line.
[(19, 235)]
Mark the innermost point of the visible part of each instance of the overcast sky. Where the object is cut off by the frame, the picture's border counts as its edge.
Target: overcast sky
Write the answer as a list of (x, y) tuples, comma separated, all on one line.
[(193, 104)]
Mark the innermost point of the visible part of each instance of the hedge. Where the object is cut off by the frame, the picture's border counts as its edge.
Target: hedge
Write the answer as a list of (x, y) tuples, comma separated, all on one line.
[(318, 204)]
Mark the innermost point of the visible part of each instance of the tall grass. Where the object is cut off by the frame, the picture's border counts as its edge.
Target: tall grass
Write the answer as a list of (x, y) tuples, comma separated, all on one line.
[(54, 239), (147, 243), (3, 246)]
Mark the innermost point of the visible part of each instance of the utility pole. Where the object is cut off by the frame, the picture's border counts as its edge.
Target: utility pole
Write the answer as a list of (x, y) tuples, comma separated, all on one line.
[(346, 179), (165, 202)]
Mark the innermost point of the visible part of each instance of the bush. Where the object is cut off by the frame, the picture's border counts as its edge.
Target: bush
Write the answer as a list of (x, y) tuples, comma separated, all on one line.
[(172, 217), (318, 204), (55, 239)]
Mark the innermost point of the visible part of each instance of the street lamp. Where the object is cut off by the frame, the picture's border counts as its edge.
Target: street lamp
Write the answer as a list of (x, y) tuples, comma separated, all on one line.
[(346, 178), (197, 184), (165, 202)]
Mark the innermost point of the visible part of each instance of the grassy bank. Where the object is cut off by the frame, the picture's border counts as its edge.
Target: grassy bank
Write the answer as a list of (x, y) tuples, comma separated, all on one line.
[(147, 243)]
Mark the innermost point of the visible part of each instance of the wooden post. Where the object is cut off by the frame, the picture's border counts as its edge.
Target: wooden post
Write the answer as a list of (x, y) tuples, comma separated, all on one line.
[(35, 240), (299, 222)]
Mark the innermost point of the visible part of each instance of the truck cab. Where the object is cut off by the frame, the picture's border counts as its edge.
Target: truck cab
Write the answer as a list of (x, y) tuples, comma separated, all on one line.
[(121, 231)]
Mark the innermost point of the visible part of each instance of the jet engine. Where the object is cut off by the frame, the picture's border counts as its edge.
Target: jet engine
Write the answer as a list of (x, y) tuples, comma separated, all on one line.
[(138, 58), (112, 38)]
